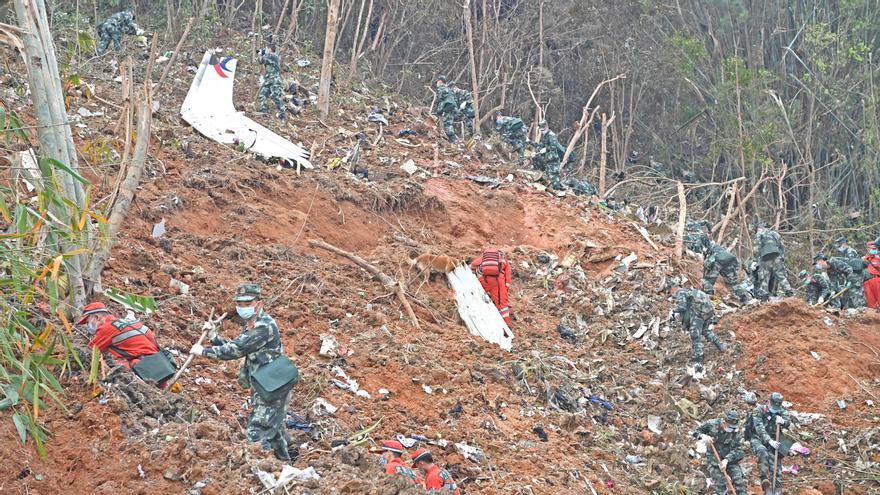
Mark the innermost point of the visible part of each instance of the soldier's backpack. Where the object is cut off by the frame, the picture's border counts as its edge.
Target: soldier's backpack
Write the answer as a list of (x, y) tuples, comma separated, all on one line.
[(749, 430), (275, 378), (492, 263), (857, 264), (724, 257)]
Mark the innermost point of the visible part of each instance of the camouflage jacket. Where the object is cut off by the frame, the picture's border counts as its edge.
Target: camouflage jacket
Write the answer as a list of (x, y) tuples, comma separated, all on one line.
[(120, 22), (690, 303), (273, 66), (510, 127), (464, 101), (839, 268), (769, 237), (445, 100), (719, 255), (850, 253), (764, 423), (259, 346), (728, 444), (550, 143), (818, 286), (695, 237)]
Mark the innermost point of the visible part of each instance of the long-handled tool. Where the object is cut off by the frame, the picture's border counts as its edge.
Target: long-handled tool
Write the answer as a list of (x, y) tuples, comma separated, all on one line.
[(723, 471), (189, 358), (776, 459), (835, 296)]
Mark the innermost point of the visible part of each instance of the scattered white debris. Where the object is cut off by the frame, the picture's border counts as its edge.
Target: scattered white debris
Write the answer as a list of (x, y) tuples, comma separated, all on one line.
[(654, 424), (322, 407), (141, 472), (428, 390), (181, 287), (159, 229), (470, 453), (348, 383), (815, 355), (328, 346), (409, 167)]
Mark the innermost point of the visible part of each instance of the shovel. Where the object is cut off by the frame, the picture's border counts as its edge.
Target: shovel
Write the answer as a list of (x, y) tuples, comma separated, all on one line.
[(189, 358), (724, 472)]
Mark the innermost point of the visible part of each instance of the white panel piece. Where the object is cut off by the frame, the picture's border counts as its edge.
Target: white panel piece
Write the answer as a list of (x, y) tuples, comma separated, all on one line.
[(209, 109), (477, 309)]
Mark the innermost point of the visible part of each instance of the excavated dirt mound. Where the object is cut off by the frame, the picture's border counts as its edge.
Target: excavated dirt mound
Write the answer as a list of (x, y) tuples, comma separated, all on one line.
[(778, 345)]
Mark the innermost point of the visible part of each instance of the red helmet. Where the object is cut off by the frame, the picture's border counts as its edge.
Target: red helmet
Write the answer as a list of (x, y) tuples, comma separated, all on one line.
[(92, 309), (421, 455), (392, 446)]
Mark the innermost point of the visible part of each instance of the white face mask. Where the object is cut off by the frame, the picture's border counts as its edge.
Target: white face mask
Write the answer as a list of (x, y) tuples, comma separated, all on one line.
[(92, 327)]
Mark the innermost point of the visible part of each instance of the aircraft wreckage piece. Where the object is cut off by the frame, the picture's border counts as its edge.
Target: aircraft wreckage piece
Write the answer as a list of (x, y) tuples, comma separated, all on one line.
[(208, 108), (477, 309)]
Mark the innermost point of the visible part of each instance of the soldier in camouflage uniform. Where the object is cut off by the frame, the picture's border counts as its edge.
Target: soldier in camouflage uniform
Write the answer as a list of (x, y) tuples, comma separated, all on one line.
[(272, 87), (259, 344), (860, 273), (513, 132), (446, 108), (842, 276), (550, 154), (113, 28), (465, 108), (696, 311), (817, 286), (720, 261), (727, 439), (770, 254), (761, 434), (695, 238)]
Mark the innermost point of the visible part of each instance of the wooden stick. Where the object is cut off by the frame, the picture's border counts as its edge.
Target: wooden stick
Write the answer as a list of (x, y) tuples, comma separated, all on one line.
[(835, 296), (682, 215), (729, 214), (724, 471), (776, 459), (387, 281), (641, 230), (582, 125), (189, 358), (176, 51)]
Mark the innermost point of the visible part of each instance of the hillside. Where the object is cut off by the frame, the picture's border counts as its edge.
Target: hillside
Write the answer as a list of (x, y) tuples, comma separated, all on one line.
[(570, 409)]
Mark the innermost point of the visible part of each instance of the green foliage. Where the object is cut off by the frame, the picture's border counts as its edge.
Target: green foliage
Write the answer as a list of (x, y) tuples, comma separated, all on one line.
[(41, 235), (134, 302), (692, 51)]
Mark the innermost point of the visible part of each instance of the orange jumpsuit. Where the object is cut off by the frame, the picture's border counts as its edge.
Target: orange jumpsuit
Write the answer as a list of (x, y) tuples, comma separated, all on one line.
[(872, 285), (497, 286), (127, 341), (440, 480), (396, 467)]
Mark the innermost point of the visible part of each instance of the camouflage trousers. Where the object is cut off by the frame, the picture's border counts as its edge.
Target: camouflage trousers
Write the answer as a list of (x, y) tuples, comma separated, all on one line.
[(271, 90), (766, 455), (105, 36), (730, 276), (855, 296), (733, 470), (266, 424), (699, 328), (772, 268), (551, 168), (581, 187), (449, 126), (518, 143), (468, 118), (696, 242)]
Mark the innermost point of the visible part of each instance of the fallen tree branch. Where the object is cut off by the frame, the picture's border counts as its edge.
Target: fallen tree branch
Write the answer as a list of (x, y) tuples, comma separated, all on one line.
[(582, 125), (641, 230), (174, 55), (387, 281), (682, 215)]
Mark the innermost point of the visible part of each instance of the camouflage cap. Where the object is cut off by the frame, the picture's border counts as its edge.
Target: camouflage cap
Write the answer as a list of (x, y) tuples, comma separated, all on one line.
[(802, 274), (247, 292), (543, 123), (840, 240), (820, 256), (776, 402), (731, 416), (440, 77)]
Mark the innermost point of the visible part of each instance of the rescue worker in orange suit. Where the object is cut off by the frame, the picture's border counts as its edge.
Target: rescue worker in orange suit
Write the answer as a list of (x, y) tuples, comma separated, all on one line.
[(392, 460), (872, 285), (494, 272), (436, 479), (126, 340)]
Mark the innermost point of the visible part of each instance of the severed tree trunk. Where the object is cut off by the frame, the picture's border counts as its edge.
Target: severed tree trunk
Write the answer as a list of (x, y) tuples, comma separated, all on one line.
[(327, 62), (475, 82), (682, 215), (537, 135), (357, 46), (56, 138)]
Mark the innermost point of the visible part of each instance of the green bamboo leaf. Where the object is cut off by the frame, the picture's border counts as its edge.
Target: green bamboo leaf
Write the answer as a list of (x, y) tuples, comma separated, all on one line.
[(20, 427), (51, 162), (39, 437)]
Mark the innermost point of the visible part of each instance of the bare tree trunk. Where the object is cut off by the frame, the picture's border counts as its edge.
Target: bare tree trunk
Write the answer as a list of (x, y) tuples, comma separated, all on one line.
[(537, 135), (133, 172), (603, 157), (355, 42), (682, 215), (294, 17), (584, 122), (475, 82), (54, 131), (327, 62)]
